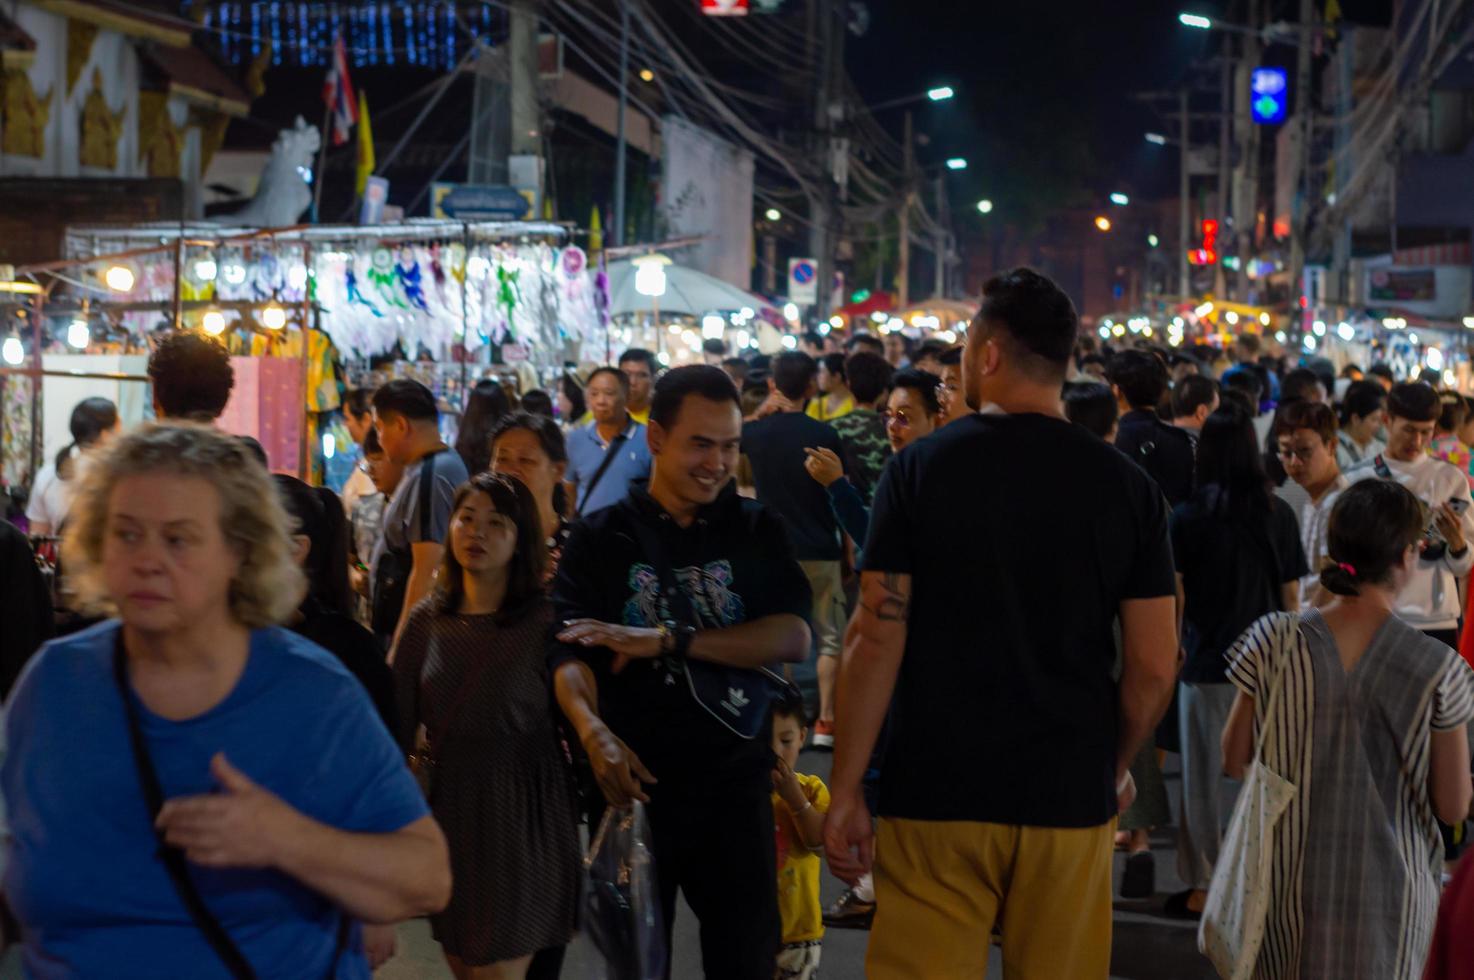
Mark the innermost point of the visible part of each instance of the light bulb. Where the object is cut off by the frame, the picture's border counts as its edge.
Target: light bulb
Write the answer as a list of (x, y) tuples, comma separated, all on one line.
[(273, 317), (329, 445), (78, 335), (13, 351), (119, 278), (205, 270), (213, 323)]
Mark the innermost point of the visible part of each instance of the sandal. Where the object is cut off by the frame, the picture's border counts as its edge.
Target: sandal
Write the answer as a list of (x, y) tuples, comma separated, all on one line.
[(1139, 879), (1177, 908)]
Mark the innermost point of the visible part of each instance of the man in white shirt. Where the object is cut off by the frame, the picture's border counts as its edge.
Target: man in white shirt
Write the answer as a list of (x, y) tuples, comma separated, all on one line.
[(1430, 600), (1306, 437)]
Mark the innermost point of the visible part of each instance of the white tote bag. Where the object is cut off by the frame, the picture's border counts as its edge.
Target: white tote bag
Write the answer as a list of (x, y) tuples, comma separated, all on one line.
[(1237, 909)]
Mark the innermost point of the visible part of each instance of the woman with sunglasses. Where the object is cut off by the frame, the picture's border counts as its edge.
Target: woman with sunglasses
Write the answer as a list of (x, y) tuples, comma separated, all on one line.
[(914, 409)]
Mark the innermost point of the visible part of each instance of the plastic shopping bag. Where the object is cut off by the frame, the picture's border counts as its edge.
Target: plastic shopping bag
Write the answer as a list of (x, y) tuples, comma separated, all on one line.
[(622, 898)]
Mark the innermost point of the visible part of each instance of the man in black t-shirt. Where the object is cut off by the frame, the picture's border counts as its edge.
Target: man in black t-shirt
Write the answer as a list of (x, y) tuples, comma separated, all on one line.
[(1164, 451), (1010, 743), (775, 447), (625, 659)]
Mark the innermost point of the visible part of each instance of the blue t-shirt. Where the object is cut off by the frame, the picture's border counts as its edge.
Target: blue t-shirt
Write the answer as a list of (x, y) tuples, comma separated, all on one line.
[(586, 454), (82, 873)]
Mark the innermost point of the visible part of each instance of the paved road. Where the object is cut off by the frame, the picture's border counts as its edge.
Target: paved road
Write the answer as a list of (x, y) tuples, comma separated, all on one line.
[(1147, 946)]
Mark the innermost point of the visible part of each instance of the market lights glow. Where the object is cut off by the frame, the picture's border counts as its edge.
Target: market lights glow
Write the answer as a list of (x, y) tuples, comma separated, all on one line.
[(234, 273), (213, 323), (790, 312), (13, 351), (713, 327), (1346, 331), (119, 278), (78, 336), (273, 317), (205, 270)]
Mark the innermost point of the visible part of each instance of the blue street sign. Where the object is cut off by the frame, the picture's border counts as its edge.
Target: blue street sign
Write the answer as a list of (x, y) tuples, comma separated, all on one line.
[(803, 272), (1270, 100), (487, 202)]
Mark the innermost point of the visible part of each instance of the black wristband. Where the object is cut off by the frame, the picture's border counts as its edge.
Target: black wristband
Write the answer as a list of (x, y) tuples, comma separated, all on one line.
[(1460, 553), (684, 635)]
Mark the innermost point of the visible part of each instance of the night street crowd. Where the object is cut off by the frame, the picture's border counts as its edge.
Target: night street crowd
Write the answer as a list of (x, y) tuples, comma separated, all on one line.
[(1000, 580)]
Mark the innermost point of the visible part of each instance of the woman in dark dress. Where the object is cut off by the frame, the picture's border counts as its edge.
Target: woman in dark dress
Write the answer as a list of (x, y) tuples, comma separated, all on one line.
[(470, 669)]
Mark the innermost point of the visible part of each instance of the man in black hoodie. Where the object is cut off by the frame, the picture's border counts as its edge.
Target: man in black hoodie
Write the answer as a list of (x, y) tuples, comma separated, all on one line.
[(629, 661)]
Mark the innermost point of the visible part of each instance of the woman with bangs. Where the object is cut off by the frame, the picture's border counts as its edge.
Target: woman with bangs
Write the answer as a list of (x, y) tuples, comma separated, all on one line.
[(470, 669), (193, 790)]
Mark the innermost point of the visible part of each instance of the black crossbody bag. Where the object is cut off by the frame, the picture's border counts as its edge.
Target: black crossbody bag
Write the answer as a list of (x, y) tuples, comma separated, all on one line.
[(736, 697), (173, 857)]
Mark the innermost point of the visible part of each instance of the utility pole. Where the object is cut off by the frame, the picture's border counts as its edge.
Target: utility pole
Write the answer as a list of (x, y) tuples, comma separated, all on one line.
[(1225, 106), (1345, 78), (1184, 271), (1305, 109), (903, 220), (826, 36), (939, 282), (617, 231)]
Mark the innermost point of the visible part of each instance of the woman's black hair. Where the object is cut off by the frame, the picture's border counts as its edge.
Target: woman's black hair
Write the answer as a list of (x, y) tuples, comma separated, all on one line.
[(485, 407), (1373, 523), (571, 391), (90, 419), (318, 515), (548, 435), (1230, 470), (538, 402), (529, 558)]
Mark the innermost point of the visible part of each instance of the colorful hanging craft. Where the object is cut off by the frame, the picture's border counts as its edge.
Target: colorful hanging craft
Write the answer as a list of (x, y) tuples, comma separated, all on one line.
[(410, 279)]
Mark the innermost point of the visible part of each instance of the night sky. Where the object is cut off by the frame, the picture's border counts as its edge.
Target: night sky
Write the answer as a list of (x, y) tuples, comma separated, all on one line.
[(1044, 111)]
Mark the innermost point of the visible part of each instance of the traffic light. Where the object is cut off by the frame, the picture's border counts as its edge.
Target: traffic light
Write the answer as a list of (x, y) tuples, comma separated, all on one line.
[(1269, 100)]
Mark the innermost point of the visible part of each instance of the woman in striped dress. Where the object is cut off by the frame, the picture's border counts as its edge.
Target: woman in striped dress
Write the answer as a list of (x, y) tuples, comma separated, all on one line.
[(1369, 726)]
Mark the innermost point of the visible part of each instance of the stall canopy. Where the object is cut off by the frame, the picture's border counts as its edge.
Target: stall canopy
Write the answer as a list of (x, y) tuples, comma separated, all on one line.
[(874, 303), (686, 291)]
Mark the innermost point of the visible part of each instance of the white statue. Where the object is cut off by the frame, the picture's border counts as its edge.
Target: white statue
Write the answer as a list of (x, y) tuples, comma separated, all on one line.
[(284, 192)]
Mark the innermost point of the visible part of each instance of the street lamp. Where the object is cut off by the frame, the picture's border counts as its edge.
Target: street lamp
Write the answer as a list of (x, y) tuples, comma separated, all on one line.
[(1156, 138), (1196, 21), (956, 163), (773, 214), (940, 94), (1103, 223), (1153, 240), (985, 206), (1120, 200)]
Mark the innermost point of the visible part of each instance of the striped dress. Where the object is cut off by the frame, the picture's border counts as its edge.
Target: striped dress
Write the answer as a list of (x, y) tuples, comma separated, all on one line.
[(1357, 856)]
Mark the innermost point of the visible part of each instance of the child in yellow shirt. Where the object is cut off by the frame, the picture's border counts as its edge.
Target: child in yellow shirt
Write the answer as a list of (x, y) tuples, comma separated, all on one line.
[(799, 805)]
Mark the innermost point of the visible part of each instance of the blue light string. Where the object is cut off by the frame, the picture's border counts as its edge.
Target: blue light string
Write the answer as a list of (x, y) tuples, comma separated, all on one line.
[(407, 14), (338, 24), (387, 19), (432, 36), (372, 32), (304, 35)]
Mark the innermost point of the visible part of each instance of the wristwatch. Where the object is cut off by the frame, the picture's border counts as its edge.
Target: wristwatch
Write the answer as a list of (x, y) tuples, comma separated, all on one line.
[(680, 636)]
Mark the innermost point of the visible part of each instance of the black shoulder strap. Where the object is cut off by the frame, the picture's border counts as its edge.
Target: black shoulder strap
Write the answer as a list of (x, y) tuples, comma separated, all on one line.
[(1380, 467), (172, 857), (609, 455)]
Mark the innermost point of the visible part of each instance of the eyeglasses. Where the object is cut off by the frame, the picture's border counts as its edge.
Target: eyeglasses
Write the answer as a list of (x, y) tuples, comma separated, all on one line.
[(898, 418), (1303, 455)]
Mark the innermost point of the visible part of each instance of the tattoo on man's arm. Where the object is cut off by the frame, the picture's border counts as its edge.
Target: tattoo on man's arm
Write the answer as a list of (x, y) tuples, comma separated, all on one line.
[(892, 606)]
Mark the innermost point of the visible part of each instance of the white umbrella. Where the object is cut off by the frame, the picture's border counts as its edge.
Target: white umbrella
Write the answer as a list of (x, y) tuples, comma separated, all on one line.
[(686, 291)]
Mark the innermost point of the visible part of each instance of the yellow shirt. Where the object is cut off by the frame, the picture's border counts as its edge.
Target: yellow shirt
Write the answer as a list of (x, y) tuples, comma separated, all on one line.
[(641, 417), (798, 876), (818, 409)]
